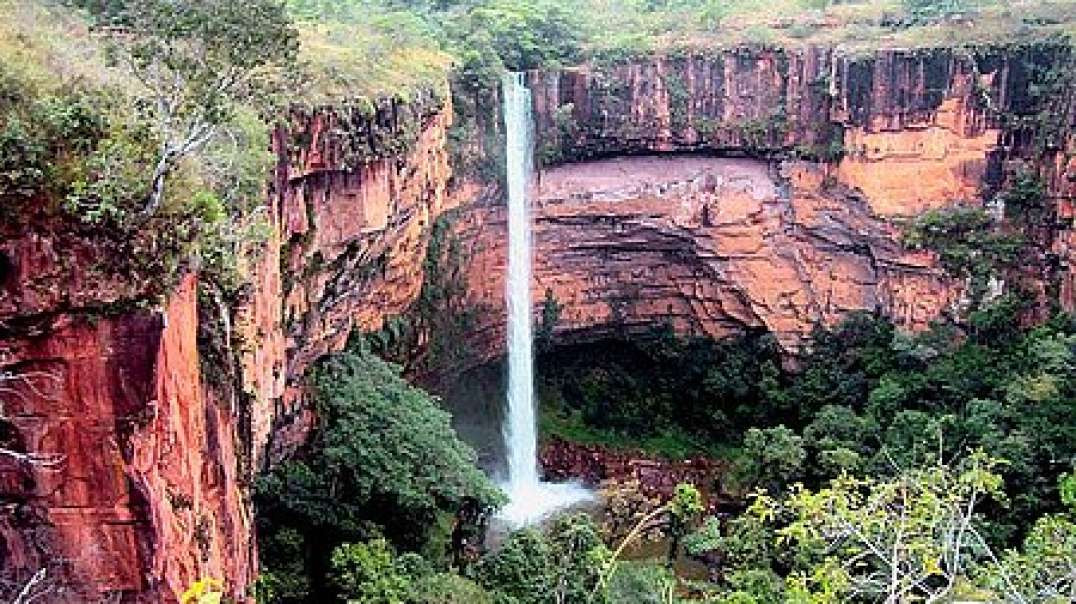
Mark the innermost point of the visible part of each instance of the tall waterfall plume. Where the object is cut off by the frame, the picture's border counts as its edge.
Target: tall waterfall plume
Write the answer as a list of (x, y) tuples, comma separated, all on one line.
[(519, 428), (529, 499)]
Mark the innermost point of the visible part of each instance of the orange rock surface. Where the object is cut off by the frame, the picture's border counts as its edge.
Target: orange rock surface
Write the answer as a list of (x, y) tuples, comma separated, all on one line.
[(714, 246), (921, 166), (133, 492)]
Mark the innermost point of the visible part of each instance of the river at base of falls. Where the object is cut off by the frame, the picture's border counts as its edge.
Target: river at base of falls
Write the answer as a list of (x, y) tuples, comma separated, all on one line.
[(531, 503)]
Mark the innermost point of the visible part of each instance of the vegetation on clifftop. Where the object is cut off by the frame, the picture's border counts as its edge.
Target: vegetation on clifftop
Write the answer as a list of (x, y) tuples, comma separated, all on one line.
[(545, 33), (162, 167)]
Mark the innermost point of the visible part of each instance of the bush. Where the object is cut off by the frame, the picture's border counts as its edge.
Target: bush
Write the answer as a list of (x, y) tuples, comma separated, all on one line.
[(561, 565), (114, 184), (367, 573), (635, 387), (448, 588), (22, 166), (920, 11), (529, 35), (521, 569), (640, 583), (384, 460), (771, 458), (968, 244)]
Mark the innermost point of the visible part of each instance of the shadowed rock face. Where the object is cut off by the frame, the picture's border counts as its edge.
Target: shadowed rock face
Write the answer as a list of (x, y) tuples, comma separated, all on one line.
[(714, 246)]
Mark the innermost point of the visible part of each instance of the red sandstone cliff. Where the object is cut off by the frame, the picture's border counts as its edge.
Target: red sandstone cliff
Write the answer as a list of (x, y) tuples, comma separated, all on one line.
[(134, 491), (714, 246), (145, 489)]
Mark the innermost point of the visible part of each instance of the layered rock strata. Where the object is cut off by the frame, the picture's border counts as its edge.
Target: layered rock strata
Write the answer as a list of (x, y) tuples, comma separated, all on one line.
[(120, 473), (713, 246)]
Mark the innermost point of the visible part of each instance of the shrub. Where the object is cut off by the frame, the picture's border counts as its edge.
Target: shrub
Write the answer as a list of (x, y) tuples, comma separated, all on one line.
[(772, 457), (367, 573), (919, 11), (968, 244), (448, 588), (521, 569), (384, 460), (563, 564), (22, 168), (640, 583)]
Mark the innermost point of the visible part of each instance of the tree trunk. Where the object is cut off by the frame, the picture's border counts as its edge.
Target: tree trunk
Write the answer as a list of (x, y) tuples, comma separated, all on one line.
[(156, 193)]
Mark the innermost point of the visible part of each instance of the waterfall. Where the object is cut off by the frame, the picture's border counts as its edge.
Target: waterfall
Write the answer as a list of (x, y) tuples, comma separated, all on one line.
[(529, 498), (519, 428)]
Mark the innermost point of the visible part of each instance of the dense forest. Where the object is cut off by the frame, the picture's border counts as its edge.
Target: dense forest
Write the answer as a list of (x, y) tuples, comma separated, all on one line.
[(876, 464)]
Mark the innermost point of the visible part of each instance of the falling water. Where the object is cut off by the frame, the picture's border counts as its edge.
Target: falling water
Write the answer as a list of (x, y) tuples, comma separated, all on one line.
[(519, 427), (529, 498)]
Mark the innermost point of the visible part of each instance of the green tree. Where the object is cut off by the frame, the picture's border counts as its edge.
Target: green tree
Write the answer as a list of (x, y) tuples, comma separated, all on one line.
[(521, 569), (1044, 570), (561, 565), (524, 35), (685, 507), (368, 573), (837, 437), (384, 460), (917, 535), (641, 583), (551, 310), (771, 457), (197, 61)]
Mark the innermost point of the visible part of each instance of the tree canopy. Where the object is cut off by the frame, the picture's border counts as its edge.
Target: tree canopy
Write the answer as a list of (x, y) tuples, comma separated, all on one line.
[(384, 462)]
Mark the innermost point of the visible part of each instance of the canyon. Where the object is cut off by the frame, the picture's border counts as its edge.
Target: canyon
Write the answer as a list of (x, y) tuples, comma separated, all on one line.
[(743, 190)]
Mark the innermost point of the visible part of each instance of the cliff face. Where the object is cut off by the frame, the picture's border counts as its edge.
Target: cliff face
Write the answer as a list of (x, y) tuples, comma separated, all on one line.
[(715, 246), (138, 484), (353, 235), (912, 130), (122, 480), (774, 243)]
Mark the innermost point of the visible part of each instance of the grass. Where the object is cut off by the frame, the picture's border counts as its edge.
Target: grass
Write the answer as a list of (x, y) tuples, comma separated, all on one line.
[(859, 26), (554, 422), (49, 46), (348, 61), (360, 48)]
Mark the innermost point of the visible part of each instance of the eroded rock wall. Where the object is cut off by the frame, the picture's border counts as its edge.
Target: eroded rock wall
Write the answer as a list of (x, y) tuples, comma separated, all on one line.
[(882, 137), (120, 476), (911, 129), (354, 234), (154, 409), (713, 246)]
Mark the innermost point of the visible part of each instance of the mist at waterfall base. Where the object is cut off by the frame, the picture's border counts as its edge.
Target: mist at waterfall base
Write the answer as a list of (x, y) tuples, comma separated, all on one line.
[(529, 499)]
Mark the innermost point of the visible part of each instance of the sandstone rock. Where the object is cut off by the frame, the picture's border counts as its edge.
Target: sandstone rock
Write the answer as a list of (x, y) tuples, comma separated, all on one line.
[(715, 246), (141, 494)]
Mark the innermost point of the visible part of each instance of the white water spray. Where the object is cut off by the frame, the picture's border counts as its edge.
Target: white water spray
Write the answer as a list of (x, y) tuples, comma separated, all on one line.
[(529, 498), (519, 430)]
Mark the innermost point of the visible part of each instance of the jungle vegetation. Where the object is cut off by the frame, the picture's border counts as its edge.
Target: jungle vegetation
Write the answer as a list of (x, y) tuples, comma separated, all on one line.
[(887, 465)]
